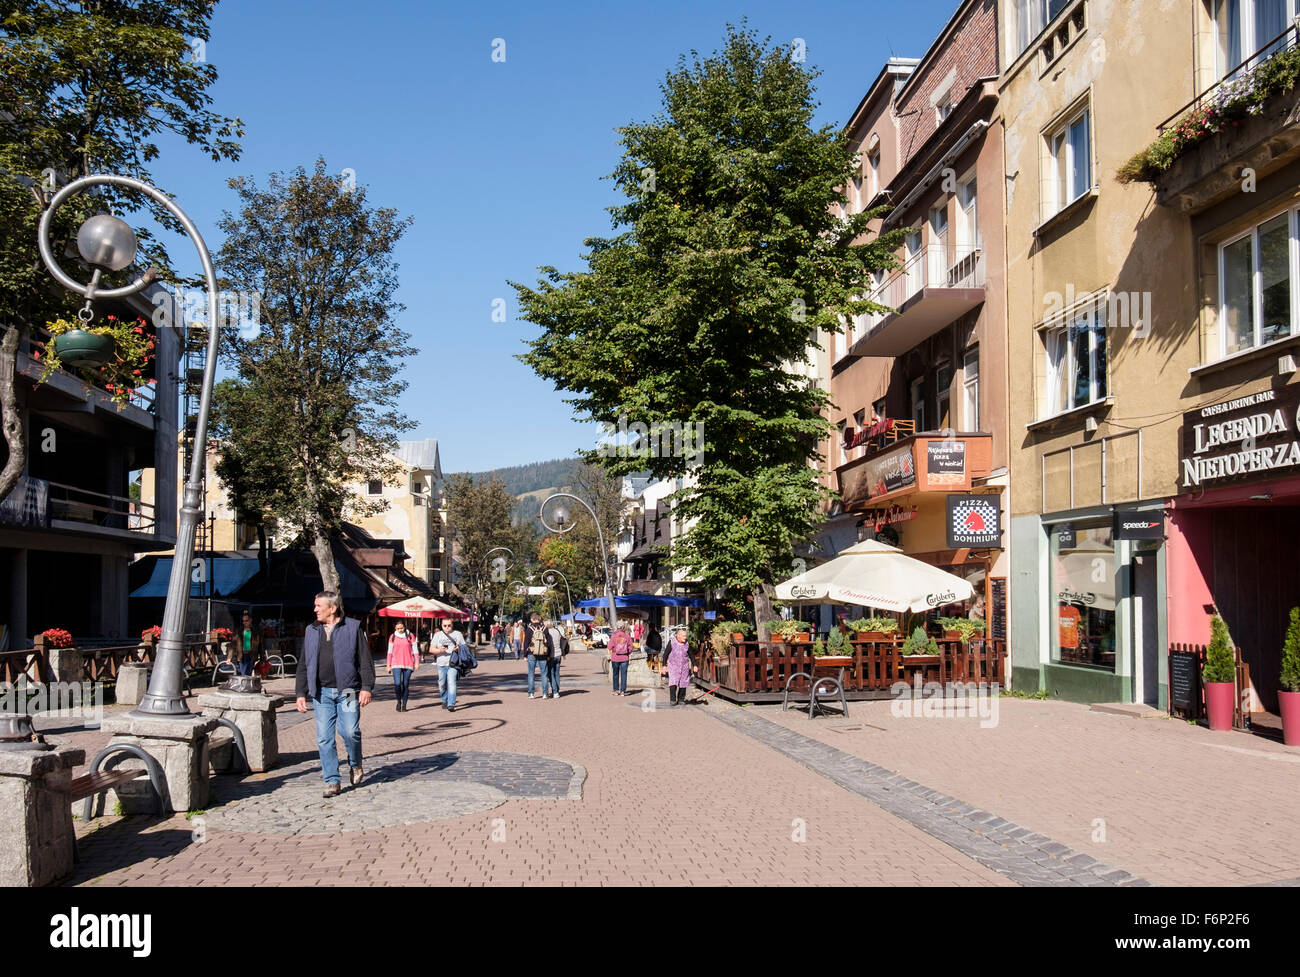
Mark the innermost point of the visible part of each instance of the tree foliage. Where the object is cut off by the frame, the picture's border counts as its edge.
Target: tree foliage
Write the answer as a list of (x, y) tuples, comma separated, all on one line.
[(313, 409), (728, 255), (479, 516), (88, 88)]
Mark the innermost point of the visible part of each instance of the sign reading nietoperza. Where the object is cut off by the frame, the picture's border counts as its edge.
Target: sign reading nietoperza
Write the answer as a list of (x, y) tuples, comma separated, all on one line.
[(1245, 439)]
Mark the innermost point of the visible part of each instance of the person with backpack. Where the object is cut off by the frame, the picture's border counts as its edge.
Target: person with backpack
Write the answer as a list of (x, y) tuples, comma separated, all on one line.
[(620, 650), (403, 660), (535, 649), (557, 647), (445, 642)]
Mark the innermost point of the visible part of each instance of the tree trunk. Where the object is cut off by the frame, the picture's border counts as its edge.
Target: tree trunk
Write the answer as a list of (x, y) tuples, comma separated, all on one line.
[(763, 610), (10, 415), (329, 573), (263, 550)]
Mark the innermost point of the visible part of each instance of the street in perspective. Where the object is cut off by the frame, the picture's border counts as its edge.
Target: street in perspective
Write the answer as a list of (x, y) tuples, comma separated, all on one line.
[(686, 447)]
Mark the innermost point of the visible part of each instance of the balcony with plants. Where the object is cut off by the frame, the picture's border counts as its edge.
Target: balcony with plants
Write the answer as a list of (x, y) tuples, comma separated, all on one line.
[(1244, 125)]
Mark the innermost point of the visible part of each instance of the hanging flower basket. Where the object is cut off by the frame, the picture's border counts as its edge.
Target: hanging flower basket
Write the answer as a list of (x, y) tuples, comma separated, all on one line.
[(113, 356), (81, 348)]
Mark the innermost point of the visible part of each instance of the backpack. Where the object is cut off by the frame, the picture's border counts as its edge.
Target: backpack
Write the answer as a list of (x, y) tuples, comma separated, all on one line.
[(537, 648)]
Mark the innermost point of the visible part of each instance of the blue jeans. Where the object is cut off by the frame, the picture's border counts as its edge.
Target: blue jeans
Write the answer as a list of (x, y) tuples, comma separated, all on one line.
[(448, 676), (533, 662), (618, 670), (517, 649), (333, 707), (551, 676), (402, 684), (245, 665)]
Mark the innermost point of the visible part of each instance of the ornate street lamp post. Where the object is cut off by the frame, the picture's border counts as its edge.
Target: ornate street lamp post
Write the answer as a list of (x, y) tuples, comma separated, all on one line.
[(548, 578), (563, 524), (107, 243)]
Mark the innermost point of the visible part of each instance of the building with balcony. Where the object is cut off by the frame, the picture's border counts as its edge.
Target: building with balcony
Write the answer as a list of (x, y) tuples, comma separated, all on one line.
[(71, 527), (1153, 330), (919, 389)]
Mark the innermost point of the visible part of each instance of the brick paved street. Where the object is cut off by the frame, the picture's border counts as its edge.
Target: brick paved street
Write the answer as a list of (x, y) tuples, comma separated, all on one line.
[(591, 789)]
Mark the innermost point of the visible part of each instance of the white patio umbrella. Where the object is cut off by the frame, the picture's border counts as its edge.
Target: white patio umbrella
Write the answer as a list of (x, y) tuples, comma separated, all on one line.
[(875, 575)]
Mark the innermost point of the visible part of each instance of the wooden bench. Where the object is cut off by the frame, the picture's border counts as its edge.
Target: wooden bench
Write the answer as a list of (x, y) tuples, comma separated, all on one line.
[(93, 784)]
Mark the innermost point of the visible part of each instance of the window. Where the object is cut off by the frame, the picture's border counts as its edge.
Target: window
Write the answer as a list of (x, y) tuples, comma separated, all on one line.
[(968, 230), (1244, 27), (1070, 152), (1076, 358), (857, 195), (1083, 597), (873, 160), (915, 272), (1031, 17), (938, 271), (970, 388), (1255, 295), (375, 486), (917, 390), (943, 393)]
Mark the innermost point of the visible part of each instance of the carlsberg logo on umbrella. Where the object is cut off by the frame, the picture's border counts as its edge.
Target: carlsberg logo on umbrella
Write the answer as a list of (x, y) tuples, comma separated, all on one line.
[(803, 590)]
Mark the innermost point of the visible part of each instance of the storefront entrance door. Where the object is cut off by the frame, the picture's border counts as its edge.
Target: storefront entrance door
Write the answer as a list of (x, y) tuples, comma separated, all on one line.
[(1146, 630)]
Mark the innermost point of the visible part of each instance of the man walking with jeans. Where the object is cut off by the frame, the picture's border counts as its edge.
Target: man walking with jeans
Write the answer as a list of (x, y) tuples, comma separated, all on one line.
[(537, 648), (445, 642), (339, 674)]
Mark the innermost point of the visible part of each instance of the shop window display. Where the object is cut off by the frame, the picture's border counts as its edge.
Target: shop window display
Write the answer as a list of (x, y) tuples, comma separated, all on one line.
[(1083, 597)]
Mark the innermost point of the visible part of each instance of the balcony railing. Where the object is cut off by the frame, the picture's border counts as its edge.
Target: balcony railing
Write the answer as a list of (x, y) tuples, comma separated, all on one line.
[(934, 266), (1224, 87), (72, 504)]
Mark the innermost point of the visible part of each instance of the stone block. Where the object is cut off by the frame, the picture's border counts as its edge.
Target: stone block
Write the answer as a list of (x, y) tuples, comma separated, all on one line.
[(67, 664), (254, 714), (180, 746), (132, 683), (36, 837), (639, 673)]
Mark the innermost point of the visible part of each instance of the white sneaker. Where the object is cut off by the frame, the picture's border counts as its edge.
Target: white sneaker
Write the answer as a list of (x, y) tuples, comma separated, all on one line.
[(531, 696)]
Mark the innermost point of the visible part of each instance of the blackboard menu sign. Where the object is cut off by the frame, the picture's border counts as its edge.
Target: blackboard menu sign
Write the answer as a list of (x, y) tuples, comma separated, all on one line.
[(999, 619), (1184, 694), (946, 458)]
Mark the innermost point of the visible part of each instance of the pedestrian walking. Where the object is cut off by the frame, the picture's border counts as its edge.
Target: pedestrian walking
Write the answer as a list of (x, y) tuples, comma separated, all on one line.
[(654, 646), (535, 645), (447, 640), (556, 644), (620, 650), (499, 640), (338, 674), (403, 660), (679, 667), (517, 638)]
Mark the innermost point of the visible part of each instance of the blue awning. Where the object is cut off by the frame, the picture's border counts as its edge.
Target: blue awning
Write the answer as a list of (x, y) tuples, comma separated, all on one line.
[(228, 575), (642, 600)]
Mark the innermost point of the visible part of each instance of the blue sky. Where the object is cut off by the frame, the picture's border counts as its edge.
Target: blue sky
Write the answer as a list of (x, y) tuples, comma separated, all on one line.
[(500, 163)]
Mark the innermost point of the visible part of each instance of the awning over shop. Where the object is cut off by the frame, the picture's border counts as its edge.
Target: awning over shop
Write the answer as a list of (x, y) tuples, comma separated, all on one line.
[(642, 600), (228, 575)]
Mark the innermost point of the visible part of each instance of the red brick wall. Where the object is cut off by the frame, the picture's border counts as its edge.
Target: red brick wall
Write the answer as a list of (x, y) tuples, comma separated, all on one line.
[(972, 49)]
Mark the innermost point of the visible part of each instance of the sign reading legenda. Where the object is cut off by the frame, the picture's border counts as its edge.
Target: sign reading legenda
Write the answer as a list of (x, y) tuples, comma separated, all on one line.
[(1245, 439)]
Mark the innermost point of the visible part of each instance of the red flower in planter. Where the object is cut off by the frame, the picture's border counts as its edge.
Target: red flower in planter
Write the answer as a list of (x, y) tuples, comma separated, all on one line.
[(222, 634), (57, 638), (155, 631)]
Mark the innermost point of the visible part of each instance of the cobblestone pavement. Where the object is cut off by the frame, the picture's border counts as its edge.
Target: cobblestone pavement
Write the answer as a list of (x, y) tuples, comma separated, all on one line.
[(594, 789), (1168, 801)]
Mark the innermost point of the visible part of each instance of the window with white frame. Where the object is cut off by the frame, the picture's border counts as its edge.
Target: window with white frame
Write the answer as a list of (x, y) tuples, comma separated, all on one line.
[(968, 231), (1075, 347), (970, 389), (1256, 298), (1243, 27), (1031, 16), (914, 271), (873, 161), (1069, 149), (917, 392)]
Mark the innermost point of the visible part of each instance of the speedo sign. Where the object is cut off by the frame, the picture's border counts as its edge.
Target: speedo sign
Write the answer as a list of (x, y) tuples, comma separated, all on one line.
[(1245, 439)]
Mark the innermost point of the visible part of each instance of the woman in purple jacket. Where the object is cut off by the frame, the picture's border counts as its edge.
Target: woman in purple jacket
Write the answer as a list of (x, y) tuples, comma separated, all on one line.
[(679, 667), (620, 650)]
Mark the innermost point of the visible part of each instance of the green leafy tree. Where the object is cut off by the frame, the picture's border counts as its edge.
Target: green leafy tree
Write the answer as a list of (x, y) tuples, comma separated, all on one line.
[(479, 516), (729, 256), (87, 88), (1220, 662), (1291, 654), (313, 410)]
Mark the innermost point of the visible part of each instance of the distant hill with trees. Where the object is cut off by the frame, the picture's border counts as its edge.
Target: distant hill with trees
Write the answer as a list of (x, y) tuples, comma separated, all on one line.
[(531, 477)]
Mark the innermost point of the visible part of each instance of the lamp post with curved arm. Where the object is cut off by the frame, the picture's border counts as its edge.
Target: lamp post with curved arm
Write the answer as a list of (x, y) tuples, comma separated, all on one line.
[(561, 518), (548, 578), (107, 243), (505, 572)]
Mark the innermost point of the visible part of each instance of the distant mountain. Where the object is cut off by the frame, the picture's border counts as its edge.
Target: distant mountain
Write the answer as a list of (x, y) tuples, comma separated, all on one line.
[(532, 477)]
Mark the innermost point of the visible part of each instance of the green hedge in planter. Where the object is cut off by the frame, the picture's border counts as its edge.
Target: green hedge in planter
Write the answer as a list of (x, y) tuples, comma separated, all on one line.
[(1291, 654), (1220, 663), (966, 626), (920, 643), (862, 624)]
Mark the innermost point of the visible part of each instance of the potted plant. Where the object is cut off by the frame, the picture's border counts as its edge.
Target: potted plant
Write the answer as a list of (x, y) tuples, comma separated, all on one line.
[(837, 651), (224, 638), (776, 629), (1288, 698), (800, 631), (720, 642), (874, 628), (113, 356), (57, 638), (920, 643), (961, 628), (738, 630), (154, 632), (1219, 675)]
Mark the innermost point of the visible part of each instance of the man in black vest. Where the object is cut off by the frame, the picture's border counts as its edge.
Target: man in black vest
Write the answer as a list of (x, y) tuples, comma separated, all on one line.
[(339, 674)]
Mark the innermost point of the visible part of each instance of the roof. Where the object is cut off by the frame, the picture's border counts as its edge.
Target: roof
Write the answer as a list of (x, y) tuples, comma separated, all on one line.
[(419, 454), (641, 600)]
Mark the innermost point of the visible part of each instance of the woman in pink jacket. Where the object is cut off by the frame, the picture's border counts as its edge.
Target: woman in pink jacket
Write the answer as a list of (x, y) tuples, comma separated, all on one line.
[(620, 650), (403, 659)]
